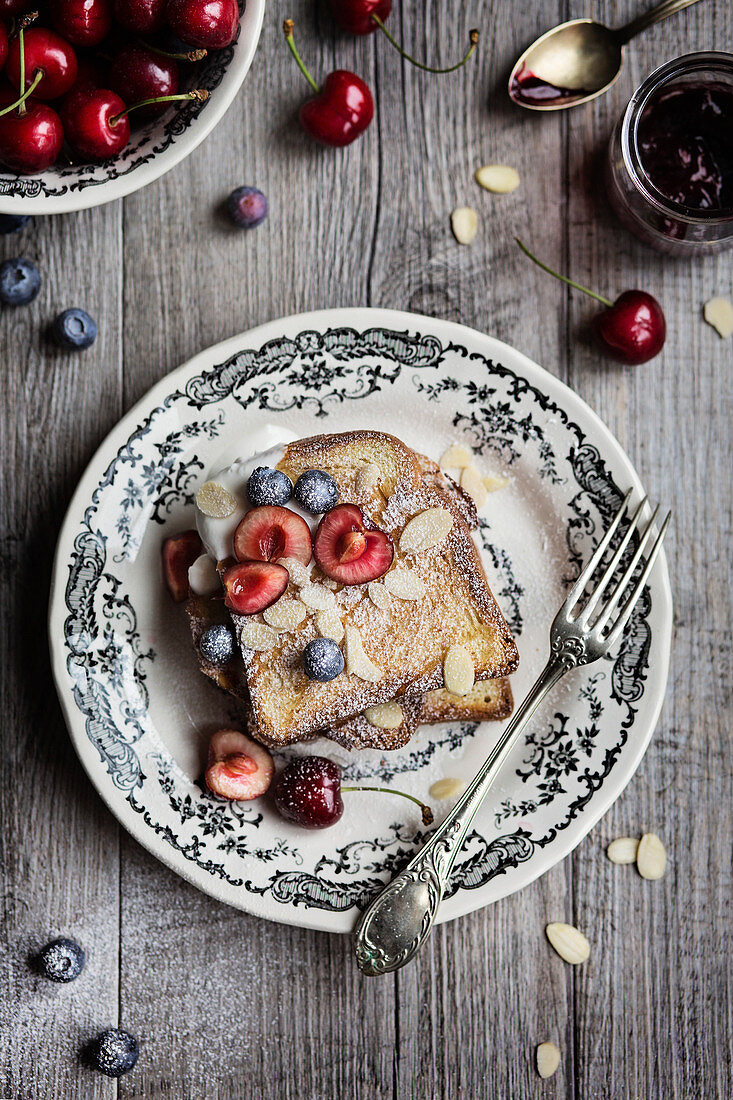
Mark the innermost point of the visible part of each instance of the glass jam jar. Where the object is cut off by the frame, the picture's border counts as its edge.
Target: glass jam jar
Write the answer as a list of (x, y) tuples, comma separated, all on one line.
[(669, 170)]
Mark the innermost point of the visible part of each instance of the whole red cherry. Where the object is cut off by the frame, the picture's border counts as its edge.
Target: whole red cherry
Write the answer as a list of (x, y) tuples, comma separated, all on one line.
[(211, 24), (355, 16), (138, 73), (632, 329), (29, 142), (83, 22), (45, 50), (94, 123), (308, 792), (140, 16)]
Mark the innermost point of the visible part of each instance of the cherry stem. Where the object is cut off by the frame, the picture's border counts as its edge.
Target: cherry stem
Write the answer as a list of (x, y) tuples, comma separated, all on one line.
[(473, 38), (192, 55), (199, 94), (562, 278), (427, 813), (288, 28), (20, 103)]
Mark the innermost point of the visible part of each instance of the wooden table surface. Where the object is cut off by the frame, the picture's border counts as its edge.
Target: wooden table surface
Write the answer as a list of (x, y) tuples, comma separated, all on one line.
[(228, 1007)]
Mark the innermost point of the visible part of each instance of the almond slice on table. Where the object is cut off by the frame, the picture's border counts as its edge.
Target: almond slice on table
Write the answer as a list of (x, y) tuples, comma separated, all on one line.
[(358, 661), (257, 636), (473, 484), (456, 457), (651, 858), (404, 584), (379, 595), (499, 178), (446, 788), (548, 1059), (329, 625), (718, 312), (425, 530), (285, 614), (385, 716), (459, 674), (214, 500), (623, 849), (570, 944), (464, 223)]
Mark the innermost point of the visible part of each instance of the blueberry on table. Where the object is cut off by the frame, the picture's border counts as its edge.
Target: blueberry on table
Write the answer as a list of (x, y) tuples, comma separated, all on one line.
[(216, 645), (62, 960), (20, 282), (322, 660), (74, 329), (247, 207), (114, 1052), (316, 491), (13, 223), (269, 486)]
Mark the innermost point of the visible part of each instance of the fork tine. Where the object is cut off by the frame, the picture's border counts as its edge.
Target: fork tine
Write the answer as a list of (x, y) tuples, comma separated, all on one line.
[(595, 597), (576, 591), (638, 588), (616, 596)]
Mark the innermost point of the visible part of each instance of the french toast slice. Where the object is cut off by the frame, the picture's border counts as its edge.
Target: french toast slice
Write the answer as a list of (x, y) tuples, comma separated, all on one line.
[(388, 649)]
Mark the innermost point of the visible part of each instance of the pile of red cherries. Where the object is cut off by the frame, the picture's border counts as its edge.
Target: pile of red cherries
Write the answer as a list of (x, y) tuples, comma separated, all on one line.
[(71, 71)]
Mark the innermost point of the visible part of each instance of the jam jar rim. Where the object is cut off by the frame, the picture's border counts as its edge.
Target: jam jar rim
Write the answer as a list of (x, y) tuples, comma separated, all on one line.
[(665, 74)]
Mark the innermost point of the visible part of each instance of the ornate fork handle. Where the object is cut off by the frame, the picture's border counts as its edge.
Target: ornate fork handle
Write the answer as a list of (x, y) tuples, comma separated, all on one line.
[(394, 926)]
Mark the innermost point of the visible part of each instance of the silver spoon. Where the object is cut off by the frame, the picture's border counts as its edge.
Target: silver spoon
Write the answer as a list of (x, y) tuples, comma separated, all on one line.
[(578, 61)]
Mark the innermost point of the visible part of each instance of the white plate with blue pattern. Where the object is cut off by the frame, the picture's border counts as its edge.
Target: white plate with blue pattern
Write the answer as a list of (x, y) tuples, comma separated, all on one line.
[(140, 714)]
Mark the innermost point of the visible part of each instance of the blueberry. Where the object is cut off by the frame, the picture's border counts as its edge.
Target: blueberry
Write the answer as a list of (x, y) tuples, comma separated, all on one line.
[(74, 328), (13, 223), (316, 491), (114, 1052), (216, 645), (20, 281), (61, 960), (268, 486), (247, 207), (322, 660)]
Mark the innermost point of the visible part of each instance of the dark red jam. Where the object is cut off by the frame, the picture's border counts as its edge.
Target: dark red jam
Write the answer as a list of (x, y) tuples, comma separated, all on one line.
[(685, 143), (527, 87)]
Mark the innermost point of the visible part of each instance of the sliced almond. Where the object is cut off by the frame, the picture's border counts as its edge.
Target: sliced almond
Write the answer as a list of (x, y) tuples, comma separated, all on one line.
[(464, 223), (456, 457), (297, 572), (329, 625), (570, 944), (548, 1059), (285, 614), (317, 597), (357, 660), (405, 584), (499, 178), (458, 672), (651, 858), (256, 635), (492, 483), (473, 484), (446, 788), (718, 312), (367, 479), (623, 849), (385, 716), (426, 529), (214, 500), (379, 595)]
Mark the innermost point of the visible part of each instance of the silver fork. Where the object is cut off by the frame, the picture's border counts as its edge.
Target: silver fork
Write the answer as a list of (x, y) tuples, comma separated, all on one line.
[(398, 921)]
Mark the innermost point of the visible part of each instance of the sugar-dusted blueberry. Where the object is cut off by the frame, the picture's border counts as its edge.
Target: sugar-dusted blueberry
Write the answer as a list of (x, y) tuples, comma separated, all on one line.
[(75, 329), (20, 282), (61, 960), (114, 1052), (322, 660), (13, 223), (316, 491), (247, 207), (268, 486), (216, 645)]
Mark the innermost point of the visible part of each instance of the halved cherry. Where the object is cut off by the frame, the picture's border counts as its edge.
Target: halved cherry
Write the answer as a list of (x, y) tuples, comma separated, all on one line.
[(347, 550), (271, 532), (179, 554), (238, 768), (252, 586)]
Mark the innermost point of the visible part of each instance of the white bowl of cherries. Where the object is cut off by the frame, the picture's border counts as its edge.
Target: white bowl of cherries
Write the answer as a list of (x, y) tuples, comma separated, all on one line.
[(76, 77)]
